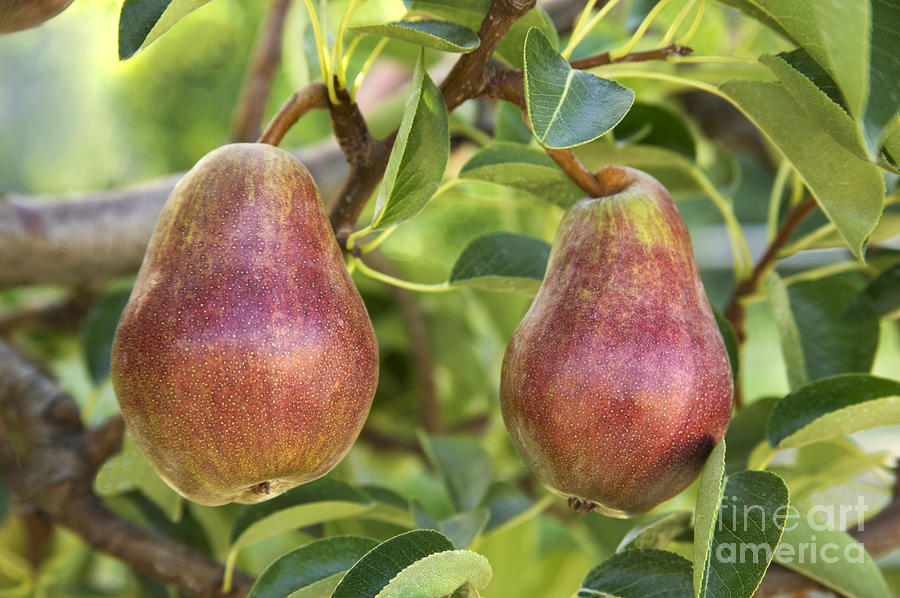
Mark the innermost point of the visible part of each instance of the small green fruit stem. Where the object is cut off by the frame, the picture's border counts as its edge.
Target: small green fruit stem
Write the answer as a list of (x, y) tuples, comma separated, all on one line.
[(694, 26), (641, 30), (581, 29), (673, 29), (397, 282), (322, 51)]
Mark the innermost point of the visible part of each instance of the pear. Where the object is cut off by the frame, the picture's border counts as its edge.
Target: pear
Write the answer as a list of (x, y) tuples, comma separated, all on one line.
[(244, 361), (616, 384), (17, 15)]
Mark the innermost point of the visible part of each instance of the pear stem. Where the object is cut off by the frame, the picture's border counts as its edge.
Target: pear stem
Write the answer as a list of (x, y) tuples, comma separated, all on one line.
[(311, 97)]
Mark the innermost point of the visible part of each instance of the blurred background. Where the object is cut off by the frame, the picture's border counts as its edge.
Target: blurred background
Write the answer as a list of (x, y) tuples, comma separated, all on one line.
[(73, 118)]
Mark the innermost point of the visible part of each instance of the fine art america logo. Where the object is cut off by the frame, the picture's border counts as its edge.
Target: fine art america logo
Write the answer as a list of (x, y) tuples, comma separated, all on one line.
[(810, 548)]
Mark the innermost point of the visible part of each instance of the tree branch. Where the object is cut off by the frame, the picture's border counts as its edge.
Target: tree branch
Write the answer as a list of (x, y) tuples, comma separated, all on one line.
[(261, 67), (50, 461), (657, 54)]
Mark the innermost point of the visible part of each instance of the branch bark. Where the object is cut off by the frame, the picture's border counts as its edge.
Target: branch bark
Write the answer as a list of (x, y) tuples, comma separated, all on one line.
[(50, 461), (263, 63)]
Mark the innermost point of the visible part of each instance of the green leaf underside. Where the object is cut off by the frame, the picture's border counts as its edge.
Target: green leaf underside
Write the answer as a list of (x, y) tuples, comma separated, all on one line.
[(657, 532), (749, 526), (438, 575), (465, 467), (837, 334), (712, 482), (374, 571), (321, 500), (639, 574), (502, 261), (523, 167), (419, 155), (833, 407), (142, 22), (568, 107), (849, 190), (842, 563), (310, 564), (439, 35)]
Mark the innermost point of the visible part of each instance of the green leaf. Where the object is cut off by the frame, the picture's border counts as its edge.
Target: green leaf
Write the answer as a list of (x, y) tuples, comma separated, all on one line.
[(502, 262), (788, 333), (657, 531), (440, 35), (835, 34), (709, 495), (465, 467), (310, 564), (438, 575), (731, 343), (461, 529), (813, 89), (884, 92), (379, 566), (506, 504), (849, 190), (651, 124), (525, 168), (97, 331), (749, 526), (129, 470), (833, 407), (745, 432), (568, 107), (837, 334), (842, 563), (322, 500), (142, 22), (639, 574), (509, 124), (881, 294), (419, 155)]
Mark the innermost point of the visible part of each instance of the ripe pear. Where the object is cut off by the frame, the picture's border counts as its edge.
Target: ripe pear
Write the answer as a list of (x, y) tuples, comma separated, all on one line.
[(244, 362), (17, 15), (616, 385)]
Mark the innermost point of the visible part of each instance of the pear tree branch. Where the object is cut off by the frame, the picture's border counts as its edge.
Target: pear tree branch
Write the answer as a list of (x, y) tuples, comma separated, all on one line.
[(264, 60), (49, 461)]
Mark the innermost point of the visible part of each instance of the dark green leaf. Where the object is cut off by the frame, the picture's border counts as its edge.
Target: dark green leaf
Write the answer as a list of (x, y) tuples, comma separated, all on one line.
[(835, 339), (523, 167), (639, 574), (440, 35), (656, 531), (419, 155), (746, 430), (882, 294), (730, 340), (505, 502), (650, 124), (310, 564), (142, 22), (376, 569), (568, 107), (465, 467), (788, 333), (98, 330), (502, 261), (750, 522), (832, 407), (884, 84), (461, 529)]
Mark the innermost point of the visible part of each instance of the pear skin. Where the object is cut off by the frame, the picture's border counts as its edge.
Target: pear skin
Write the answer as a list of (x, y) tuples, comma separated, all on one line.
[(244, 362), (616, 385), (18, 15)]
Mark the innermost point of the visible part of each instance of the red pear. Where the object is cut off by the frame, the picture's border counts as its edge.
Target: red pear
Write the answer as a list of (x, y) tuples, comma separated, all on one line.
[(616, 384), (16, 15), (244, 362)]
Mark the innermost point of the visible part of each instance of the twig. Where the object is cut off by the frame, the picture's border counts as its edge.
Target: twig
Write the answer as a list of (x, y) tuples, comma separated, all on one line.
[(735, 312), (50, 460), (420, 349), (576, 171), (310, 97), (264, 60), (656, 54)]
